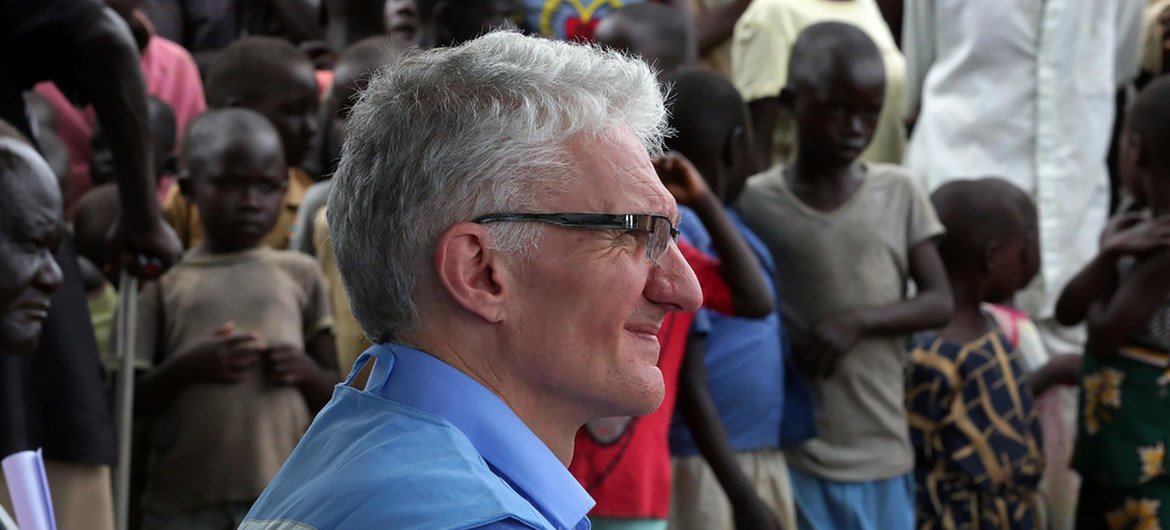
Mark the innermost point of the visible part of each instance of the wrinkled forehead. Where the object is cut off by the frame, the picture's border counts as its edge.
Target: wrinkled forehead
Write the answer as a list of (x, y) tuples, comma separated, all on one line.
[(613, 174)]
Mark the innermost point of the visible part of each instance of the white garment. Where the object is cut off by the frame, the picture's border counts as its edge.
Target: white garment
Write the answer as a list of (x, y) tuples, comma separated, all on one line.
[(1023, 91)]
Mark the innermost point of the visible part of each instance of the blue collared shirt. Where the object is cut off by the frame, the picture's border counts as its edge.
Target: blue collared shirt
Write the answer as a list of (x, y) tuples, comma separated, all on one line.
[(424, 446)]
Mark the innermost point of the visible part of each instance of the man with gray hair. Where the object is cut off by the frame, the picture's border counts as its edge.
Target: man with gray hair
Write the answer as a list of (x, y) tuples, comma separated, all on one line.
[(505, 242)]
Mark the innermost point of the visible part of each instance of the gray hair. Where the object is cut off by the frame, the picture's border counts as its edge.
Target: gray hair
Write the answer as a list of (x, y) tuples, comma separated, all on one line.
[(449, 134)]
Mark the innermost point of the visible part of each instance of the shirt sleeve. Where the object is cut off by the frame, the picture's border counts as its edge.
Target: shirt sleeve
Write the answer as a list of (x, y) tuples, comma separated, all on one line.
[(759, 56), (922, 220), (918, 47), (716, 293)]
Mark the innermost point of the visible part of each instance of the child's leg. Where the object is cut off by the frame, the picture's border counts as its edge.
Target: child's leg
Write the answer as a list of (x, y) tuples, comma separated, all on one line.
[(828, 505)]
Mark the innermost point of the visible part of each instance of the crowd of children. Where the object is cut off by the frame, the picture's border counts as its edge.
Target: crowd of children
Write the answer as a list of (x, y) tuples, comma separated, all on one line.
[(881, 346)]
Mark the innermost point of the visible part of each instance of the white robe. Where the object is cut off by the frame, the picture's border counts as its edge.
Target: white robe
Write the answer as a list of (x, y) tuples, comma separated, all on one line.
[(1024, 90)]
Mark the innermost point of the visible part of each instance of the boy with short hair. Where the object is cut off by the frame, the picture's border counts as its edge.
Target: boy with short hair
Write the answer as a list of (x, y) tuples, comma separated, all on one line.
[(239, 335), (760, 57), (850, 234), (740, 373), (273, 78), (973, 423)]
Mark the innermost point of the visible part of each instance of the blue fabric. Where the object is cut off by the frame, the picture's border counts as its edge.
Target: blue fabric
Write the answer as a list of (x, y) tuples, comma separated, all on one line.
[(828, 505), (746, 361), (426, 447)]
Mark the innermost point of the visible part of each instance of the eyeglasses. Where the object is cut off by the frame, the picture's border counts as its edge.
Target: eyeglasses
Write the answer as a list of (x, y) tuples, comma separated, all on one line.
[(660, 230)]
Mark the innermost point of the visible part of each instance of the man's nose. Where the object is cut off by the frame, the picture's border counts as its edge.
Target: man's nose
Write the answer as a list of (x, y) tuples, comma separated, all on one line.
[(49, 276), (673, 283)]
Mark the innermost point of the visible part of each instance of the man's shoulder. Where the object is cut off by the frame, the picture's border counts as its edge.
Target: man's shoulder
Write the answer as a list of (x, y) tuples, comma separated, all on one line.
[(409, 467)]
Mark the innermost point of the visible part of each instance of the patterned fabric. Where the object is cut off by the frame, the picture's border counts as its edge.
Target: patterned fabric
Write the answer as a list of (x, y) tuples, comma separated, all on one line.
[(976, 438), (1142, 507), (1118, 443), (1123, 433)]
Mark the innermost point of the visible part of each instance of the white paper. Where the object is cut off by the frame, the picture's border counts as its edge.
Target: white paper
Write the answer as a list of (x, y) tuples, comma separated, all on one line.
[(29, 488)]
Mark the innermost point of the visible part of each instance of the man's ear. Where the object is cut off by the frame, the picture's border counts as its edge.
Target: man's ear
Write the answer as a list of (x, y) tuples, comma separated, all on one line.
[(472, 272)]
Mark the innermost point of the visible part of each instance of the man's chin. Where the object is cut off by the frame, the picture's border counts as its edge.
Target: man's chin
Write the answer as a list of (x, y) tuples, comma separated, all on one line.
[(643, 400)]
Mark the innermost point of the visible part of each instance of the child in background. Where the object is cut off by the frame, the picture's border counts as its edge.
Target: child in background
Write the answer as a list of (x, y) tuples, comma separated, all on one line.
[(238, 334), (1123, 295), (740, 375), (760, 56), (973, 424), (659, 34), (1053, 378), (849, 235), (272, 77)]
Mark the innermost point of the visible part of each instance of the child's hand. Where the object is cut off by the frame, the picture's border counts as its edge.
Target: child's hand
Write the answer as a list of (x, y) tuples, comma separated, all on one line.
[(288, 365), (821, 351), (226, 357), (1136, 236), (681, 178)]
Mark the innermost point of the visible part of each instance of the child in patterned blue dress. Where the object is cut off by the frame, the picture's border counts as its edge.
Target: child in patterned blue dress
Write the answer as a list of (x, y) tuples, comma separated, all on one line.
[(976, 440)]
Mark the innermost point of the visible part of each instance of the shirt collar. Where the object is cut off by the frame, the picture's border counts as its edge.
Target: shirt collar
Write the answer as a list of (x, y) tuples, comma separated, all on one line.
[(423, 382)]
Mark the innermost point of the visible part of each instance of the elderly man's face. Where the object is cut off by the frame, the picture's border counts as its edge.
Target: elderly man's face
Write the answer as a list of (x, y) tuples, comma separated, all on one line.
[(30, 230), (590, 304)]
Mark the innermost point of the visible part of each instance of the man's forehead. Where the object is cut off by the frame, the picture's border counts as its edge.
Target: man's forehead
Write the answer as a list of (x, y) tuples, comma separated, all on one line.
[(614, 174)]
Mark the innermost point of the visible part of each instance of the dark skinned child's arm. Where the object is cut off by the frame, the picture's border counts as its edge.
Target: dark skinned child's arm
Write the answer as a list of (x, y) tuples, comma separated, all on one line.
[(1113, 320), (1128, 234), (313, 371), (701, 417), (822, 349), (738, 265), (226, 357), (716, 25)]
